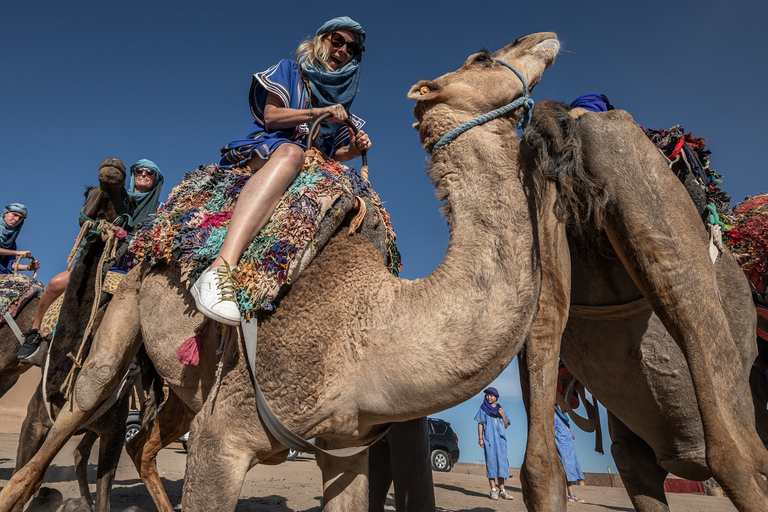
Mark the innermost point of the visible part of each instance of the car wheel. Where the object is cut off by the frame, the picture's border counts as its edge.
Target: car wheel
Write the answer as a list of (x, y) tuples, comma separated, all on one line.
[(292, 454), (131, 431), (441, 461)]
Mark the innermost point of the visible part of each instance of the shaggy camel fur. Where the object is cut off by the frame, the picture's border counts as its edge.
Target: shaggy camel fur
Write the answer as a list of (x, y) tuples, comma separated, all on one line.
[(683, 316), (320, 354), (104, 204)]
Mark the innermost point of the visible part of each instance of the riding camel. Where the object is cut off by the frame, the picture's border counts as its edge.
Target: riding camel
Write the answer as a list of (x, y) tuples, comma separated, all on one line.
[(656, 320), (10, 366), (320, 354), (83, 306)]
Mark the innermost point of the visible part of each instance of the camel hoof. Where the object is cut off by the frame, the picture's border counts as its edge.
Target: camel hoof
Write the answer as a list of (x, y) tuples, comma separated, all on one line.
[(47, 500)]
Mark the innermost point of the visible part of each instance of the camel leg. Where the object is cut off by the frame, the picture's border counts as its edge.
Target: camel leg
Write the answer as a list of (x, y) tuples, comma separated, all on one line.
[(8, 379), (171, 422), (82, 454), (114, 345), (345, 480), (642, 476), (660, 240), (34, 429), (404, 458), (217, 461), (542, 477)]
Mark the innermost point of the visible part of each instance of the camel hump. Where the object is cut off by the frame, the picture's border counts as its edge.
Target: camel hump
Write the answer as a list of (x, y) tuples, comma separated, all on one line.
[(551, 150)]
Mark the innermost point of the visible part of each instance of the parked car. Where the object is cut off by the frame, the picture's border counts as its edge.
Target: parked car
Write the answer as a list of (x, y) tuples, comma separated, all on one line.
[(133, 425), (443, 444)]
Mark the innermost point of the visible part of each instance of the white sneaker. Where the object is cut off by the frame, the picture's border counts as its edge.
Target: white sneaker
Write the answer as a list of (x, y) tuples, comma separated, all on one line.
[(214, 294), (494, 494), (505, 495)]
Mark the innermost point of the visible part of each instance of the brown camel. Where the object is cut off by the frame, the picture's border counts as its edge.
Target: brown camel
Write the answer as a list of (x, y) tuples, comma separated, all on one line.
[(104, 203), (10, 366), (320, 354), (648, 309)]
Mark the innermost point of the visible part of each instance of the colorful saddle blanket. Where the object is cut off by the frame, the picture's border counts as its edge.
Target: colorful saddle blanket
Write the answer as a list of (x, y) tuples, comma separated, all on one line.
[(15, 291), (748, 240), (189, 231)]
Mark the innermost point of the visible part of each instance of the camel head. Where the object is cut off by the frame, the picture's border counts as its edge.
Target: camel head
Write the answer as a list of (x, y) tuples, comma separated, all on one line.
[(111, 174), (481, 85)]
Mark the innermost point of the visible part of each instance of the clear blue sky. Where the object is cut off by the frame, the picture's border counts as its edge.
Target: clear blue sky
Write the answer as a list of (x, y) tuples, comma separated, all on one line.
[(168, 80)]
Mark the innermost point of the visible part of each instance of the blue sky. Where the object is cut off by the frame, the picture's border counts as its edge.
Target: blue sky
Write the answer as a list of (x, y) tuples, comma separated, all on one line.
[(168, 80)]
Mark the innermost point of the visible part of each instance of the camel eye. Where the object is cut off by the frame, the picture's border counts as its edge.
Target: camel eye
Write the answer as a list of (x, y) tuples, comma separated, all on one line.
[(483, 59)]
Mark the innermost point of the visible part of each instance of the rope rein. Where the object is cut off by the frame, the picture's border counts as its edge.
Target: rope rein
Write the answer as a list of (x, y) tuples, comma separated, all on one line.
[(111, 235), (524, 101)]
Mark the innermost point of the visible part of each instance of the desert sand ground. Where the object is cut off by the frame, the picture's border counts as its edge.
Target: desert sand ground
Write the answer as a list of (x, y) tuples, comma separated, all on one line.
[(290, 487)]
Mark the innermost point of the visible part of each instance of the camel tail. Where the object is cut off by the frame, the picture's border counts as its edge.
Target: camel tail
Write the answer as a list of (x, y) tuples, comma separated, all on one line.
[(551, 149)]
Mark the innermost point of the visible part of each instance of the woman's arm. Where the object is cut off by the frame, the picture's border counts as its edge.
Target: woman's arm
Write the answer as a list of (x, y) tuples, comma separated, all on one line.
[(480, 435), (11, 252), (278, 117)]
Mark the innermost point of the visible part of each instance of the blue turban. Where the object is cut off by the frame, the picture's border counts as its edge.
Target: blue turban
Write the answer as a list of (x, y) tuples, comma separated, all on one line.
[(594, 102), (343, 23), (9, 234), (491, 391), (147, 202)]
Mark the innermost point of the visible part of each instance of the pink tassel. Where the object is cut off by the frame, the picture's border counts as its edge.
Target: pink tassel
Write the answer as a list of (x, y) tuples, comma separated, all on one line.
[(189, 351)]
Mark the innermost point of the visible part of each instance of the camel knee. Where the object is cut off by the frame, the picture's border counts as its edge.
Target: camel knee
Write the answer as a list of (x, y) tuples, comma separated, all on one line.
[(95, 384)]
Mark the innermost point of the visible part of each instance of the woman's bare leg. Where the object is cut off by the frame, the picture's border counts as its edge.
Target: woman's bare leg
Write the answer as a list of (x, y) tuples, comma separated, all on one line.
[(258, 200), (53, 291)]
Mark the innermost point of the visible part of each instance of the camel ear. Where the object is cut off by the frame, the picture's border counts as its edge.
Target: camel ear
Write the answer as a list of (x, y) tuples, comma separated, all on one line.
[(424, 90)]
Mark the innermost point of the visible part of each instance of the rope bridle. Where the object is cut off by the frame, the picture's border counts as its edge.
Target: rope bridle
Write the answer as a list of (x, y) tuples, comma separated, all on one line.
[(523, 101)]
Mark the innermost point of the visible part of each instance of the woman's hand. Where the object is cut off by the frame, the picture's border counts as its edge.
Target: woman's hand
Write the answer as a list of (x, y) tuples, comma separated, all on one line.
[(481, 442), (338, 113), (23, 254), (33, 265), (358, 143)]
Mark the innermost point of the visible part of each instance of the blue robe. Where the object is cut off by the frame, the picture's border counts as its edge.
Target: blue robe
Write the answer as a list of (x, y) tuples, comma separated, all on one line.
[(284, 81), (496, 461), (6, 261), (566, 451)]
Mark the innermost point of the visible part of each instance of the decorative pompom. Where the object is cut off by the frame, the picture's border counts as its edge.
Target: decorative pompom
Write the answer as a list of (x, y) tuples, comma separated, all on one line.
[(189, 351)]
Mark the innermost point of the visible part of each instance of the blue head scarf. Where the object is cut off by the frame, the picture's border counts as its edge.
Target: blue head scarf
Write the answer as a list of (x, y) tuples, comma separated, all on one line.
[(594, 102), (147, 202), (9, 234), (487, 408), (335, 87)]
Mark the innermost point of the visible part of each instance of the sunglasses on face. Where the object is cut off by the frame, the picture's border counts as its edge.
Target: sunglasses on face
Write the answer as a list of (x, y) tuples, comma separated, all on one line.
[(147, 172), (338, 41)]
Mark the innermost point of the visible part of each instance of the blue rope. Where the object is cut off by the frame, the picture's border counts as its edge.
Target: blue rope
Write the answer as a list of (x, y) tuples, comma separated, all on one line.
[(523, 101)]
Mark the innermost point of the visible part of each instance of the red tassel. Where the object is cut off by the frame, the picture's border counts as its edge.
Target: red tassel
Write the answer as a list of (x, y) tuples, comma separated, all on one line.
[(189, 351)]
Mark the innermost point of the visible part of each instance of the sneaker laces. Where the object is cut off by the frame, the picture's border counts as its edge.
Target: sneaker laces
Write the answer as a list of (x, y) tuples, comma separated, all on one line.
[(225, 279)]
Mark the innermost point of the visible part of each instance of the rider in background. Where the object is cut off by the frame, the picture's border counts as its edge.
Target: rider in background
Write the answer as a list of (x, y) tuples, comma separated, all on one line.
[(14, 216), (144, 187), (284, 101)]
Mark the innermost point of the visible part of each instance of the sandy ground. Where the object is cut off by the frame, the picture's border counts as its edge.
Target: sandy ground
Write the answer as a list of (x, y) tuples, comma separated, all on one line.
[(290, 487)]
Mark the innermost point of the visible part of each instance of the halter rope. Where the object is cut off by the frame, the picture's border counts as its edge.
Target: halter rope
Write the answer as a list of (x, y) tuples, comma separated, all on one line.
[(523, 101)]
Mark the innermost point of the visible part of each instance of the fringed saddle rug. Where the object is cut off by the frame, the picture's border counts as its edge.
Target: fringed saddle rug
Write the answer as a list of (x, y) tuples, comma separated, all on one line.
[(189, 231), (748, 240), (15, 291)]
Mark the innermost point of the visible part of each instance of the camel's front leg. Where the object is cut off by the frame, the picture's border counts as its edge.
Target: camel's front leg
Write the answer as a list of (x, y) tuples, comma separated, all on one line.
[(82, 454), (542, 475), (345, 481), (171, 422), (114, 345), (34, 429)]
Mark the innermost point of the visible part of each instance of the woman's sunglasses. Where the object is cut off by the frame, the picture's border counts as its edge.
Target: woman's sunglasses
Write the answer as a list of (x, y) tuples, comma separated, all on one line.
[(148, 172), (338, 41)]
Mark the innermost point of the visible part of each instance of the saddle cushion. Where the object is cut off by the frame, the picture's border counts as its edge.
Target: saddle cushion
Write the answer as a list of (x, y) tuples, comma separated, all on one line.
[(15, 291), (189, 231)]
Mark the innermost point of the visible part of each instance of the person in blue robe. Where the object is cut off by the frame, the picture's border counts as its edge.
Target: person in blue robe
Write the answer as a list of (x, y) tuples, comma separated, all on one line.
[(566, 451), (492, 422), (13, 219), (285, 99)]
